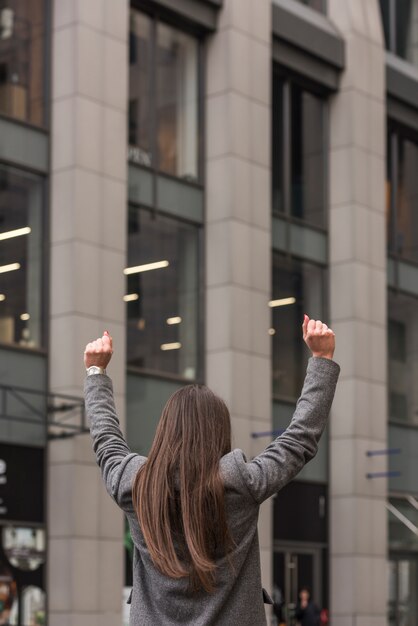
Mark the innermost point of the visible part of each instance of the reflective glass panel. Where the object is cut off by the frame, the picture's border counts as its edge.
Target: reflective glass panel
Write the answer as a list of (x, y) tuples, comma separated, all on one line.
[(21, 203), (407, 199), (400, 25), (403, 357), (140, 72), (22, 59), (298, 288), (407, 30), (162, 294), (307, 161), (177, 102)]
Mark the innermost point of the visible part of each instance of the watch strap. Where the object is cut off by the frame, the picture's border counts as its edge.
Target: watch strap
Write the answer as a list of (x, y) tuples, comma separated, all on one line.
[(95, 369)]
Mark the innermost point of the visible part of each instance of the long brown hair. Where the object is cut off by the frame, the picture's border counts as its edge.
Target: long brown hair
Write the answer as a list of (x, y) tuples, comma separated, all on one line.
[(178, 493)]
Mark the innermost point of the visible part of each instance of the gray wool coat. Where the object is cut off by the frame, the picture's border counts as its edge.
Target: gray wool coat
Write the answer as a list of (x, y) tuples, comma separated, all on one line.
[(161, 601)]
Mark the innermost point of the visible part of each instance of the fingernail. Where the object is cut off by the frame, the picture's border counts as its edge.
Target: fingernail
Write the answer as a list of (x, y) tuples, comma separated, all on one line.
[(106, 332)]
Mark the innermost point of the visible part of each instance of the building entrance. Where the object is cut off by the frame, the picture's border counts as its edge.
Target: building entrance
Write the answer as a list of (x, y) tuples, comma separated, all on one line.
[(293, 568)]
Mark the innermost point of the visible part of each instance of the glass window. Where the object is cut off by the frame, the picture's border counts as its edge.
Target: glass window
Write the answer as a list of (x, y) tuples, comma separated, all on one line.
[(298, 287), (140, 73), (407, 199), (162, 294), (307, 164), (403, 585), (402, 194), (163, 97), (400, 24), (177, 99), (298, 152), (403, 358), (21, 202), (22, 59), (385, 11)]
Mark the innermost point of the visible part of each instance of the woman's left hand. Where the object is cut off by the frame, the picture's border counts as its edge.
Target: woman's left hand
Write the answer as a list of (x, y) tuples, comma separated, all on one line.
[(99, 352)]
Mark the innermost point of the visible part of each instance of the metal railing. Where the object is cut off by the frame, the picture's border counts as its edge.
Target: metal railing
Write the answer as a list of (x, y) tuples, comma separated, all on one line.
[(59, 415)]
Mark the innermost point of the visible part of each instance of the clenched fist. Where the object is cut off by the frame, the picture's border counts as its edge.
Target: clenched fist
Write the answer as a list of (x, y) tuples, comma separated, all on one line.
[(319, 338), (99, 352)]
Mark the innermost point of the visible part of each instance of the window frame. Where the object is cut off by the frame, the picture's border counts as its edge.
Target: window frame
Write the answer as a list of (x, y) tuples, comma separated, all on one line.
[(159, 15), (200, 341), (43, 348), (392, 44), (291, 258), (288, 79), (47, 78), (395, 133), (394, 422)]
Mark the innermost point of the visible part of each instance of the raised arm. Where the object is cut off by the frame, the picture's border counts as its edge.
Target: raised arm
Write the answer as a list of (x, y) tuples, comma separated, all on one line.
[(268, 472), (112, 452)]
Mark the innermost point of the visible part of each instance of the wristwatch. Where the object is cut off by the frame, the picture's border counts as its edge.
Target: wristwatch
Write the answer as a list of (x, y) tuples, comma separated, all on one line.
[(95, 369)]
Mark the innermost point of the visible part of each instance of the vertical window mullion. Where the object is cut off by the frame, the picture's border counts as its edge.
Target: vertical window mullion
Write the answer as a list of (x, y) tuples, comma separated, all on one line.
[(287, 160), (153, 111), (287, 148)]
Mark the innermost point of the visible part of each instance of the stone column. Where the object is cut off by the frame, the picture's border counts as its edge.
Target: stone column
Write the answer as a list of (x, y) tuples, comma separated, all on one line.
[(358, 310), (238, 235), (88, 246)]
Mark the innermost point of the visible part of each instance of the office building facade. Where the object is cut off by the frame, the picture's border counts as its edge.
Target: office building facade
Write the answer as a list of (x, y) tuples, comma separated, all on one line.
[(194, 176)]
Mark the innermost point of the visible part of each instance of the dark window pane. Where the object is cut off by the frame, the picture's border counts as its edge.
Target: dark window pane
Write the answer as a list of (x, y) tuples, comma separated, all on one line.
[(308, 171), (162, 294), (298, 287), (407, 199), (278, 145), (21, 204), (407, 30), (403, 357), (177, 102), (22, 63), (140, 73), (385, 11), (397, 341), (390, 223)]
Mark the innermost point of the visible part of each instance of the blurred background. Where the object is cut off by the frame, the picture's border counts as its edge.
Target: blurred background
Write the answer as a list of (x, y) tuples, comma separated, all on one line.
[(194, 176)]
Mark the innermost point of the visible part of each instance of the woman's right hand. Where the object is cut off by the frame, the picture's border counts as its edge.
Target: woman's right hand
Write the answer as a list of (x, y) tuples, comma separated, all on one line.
[(99, 352), (319, 338)]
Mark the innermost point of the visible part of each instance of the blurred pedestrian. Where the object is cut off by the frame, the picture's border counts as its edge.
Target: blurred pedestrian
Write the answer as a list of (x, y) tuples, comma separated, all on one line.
[(307, 613), (193, 504)]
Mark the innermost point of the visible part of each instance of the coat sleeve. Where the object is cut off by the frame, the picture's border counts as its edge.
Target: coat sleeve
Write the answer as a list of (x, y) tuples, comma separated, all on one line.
[(118, 465), (268, 472)]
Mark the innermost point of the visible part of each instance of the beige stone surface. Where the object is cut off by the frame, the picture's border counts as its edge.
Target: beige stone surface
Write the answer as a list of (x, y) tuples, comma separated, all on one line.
[(358, 261), (88, 246), (238, 217)]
